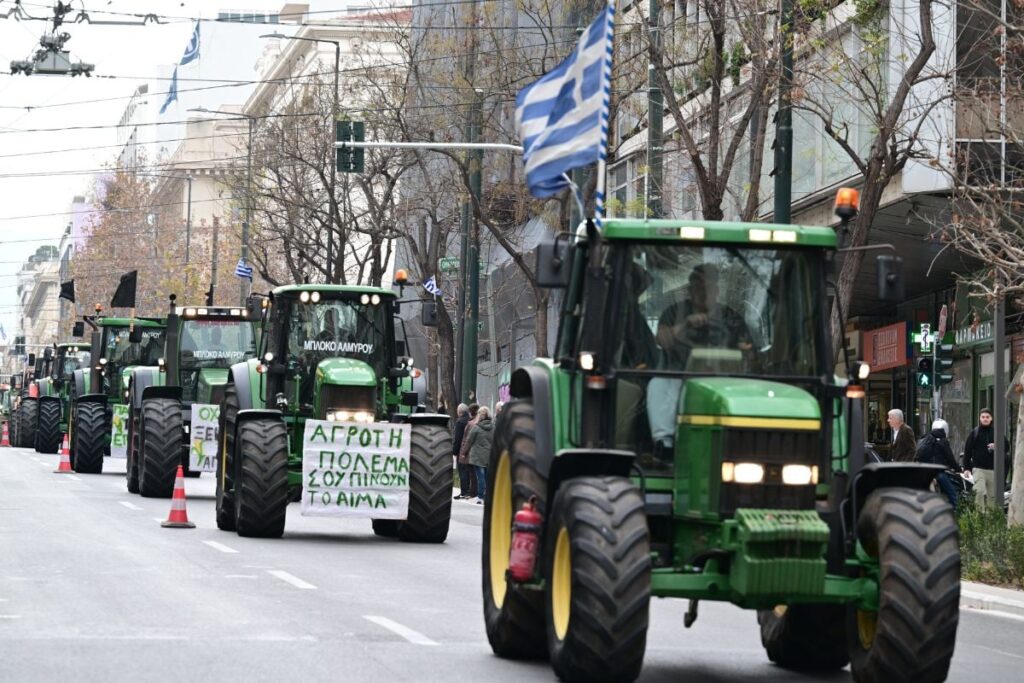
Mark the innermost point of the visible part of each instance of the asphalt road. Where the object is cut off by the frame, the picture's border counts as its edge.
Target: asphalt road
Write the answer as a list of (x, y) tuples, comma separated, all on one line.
[(93, 589)]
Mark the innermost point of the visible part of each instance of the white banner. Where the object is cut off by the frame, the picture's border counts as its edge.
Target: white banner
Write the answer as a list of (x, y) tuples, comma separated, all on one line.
[(356, 470), (119, 431), (202, 438)]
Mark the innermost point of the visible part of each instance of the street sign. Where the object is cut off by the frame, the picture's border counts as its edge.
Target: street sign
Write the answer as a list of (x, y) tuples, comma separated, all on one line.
[(943, 314)]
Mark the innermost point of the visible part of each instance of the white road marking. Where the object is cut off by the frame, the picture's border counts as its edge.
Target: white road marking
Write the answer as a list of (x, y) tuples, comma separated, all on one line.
[(74, 478), (159, 519), (130, 506), (10, 616), (44, 464), (220, 546), (293, 580), (239, 576), (1001, 652), (994, 613), (414, 637), (36, 459)]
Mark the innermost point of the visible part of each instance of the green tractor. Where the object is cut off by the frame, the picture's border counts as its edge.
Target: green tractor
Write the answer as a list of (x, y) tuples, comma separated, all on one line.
[(202, 343), (26, 403), (54, 394), (99, 395), (690, 440), (327, 353)]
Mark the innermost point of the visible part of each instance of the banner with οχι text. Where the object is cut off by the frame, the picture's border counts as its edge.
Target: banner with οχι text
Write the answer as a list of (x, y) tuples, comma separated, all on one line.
[(202, 438)]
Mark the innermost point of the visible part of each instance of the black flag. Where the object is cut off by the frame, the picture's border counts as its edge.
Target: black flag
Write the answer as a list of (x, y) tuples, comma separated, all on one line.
[(67, 291), (124, 297)]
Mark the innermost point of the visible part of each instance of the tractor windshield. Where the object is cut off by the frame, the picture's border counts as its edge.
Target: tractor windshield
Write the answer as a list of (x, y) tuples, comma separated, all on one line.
[(216, 343), (720, 310), (334, 328), (74, 360)]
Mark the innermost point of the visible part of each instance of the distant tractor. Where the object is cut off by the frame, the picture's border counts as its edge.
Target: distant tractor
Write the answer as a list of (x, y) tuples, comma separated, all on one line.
[(329, 353), (118, 345), (689, 439), (54, 394), (202, 343), (26, 402)]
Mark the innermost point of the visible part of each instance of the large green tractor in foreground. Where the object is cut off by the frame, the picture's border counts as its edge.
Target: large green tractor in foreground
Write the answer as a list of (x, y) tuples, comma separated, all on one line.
[(327, 352), (690, 440), (54, 394), (117, 346), (202, 343)]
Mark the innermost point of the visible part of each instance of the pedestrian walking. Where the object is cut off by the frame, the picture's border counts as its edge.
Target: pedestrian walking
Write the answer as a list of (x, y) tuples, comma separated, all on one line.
[(458, 436), (472, 486), (979, 458), (904, 444), (480, 450), (934, 449)]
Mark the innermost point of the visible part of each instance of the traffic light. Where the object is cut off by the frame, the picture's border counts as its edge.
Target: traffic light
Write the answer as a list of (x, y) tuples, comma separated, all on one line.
[(350, 160), (924, 373), (944, 361)]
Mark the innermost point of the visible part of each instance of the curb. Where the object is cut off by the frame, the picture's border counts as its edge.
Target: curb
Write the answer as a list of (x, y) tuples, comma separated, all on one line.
[(989, 598)]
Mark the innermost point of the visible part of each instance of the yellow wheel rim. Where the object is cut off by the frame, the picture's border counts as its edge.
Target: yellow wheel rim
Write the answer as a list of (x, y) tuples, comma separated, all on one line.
[(780, 610), (561, 584), (867, 624), (500, 531)]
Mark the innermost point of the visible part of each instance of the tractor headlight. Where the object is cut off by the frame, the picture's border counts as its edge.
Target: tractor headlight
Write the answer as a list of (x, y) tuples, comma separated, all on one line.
[(742, 472), (314, 297), (375, 299), (364, 299), (363, 416), (799, 475), (304, 297)]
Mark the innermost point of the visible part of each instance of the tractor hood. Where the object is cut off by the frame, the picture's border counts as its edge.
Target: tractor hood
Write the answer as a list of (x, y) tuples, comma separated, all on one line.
[(739, 397), (209, 388), (345, 371)]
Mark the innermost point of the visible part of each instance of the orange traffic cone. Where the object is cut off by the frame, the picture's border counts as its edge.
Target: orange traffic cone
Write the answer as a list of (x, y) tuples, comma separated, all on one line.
[(178, 519), (6, 440), (65, 459)]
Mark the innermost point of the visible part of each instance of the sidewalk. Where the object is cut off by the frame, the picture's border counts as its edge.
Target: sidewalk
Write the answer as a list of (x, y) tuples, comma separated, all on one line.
[(983, 597)]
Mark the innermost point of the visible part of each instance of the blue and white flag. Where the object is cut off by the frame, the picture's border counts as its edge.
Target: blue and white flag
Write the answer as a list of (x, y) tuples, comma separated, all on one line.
[(172, 92), (562, 118), (431, 286), (192, 51), (3, 335), (242, 270)]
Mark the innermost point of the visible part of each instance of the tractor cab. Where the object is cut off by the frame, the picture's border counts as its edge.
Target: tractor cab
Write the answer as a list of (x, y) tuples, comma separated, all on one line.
[(68, 358), (210, 340), (121, 348)]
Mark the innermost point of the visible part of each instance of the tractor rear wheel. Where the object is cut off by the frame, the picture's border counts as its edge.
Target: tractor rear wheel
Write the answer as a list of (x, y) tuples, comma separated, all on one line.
[(513, 614), (132, 466), (430, 486), (598, 580), (915, 538), (805, 637), (261, 478), (29, 418), (160, 431), (48, 436), (91, 431), (387, 528), (225, 501)]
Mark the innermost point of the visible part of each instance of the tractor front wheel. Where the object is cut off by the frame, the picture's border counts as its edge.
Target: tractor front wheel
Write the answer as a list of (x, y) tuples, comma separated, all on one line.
[(48, 436), (805, 637), (598, 580), (261, 478), (132, 466), (91, 431), (430, 486), (160, 430), (29, 417), (225, 501), (914, 537)]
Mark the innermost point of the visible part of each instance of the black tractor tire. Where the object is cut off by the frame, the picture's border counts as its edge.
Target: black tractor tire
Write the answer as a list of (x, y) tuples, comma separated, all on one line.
[(261, 478), (91, 431), (48, 434), (132, 466), (160, 431), (914, 535), (598, 580), (430, 486), (29, 418), (513, 614), (805, 637), (386, 528), (224, 498)]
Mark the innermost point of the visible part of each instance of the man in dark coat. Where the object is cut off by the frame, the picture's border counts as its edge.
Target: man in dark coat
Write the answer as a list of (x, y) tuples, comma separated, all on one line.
[(980, 459), (904, 444), (459, 434), (935, 449)]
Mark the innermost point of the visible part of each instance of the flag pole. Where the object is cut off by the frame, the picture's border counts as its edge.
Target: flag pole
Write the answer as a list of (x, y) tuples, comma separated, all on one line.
[(602, 160)]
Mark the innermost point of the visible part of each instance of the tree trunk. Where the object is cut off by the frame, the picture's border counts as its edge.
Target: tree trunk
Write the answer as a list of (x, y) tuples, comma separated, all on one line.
[(1016, 512), (542, 298)]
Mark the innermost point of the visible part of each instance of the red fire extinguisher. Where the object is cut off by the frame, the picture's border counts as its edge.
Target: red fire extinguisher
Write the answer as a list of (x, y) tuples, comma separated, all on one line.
[(526, 529)]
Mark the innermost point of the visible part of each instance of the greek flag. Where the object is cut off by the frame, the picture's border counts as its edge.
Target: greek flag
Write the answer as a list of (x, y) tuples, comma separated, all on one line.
[(172, 92), (242, 270), (431, 286), (192, 51), (562, 118)]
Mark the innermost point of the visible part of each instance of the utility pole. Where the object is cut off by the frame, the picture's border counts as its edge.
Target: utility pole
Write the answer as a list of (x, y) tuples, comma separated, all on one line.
[(242, 293), (472, 261), (655, 109), (999, 390), (213, 270), (784, 120)]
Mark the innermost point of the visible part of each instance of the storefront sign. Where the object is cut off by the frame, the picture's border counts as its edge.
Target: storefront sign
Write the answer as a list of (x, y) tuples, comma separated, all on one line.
[(886, 347), (974, 334)]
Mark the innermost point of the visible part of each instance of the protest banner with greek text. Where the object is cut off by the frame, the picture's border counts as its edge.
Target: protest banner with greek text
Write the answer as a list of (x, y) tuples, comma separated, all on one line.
[(119, 432), (202, 438)]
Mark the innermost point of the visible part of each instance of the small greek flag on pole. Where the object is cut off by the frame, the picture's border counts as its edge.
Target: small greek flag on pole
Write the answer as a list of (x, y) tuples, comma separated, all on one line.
[(242, 270), (431, 286), (562, 119)]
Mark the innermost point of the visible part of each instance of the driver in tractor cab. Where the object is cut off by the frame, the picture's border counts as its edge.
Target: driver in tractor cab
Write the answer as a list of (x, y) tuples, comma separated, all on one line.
[(698, 321)]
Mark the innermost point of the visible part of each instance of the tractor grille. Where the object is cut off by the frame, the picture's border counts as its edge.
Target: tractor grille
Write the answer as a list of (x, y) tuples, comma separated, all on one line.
[(773, 449), (348, 398)]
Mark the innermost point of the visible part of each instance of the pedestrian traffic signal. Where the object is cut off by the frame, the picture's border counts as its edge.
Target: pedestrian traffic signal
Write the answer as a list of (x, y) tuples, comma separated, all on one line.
[(349, 159), (944, 362), (924, 373)]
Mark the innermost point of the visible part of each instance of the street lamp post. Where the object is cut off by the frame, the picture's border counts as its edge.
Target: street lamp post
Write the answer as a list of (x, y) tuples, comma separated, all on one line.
[(334, 116)]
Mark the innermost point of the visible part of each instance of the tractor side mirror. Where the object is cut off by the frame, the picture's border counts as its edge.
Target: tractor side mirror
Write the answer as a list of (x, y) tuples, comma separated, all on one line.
[(410, 398), (553, 264), (135, 336), (31, 359), (398, 372), (47, 354), (400, 347), (890, 278), (254, 307), (428, 314), (78, 329)]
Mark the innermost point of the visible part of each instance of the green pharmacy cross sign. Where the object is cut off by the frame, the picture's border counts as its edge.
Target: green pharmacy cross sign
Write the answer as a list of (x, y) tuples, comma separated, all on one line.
[(924, 338)]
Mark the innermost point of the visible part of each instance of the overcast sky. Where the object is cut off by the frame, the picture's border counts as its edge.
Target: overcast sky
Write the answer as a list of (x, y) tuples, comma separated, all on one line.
[(129, 54)]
